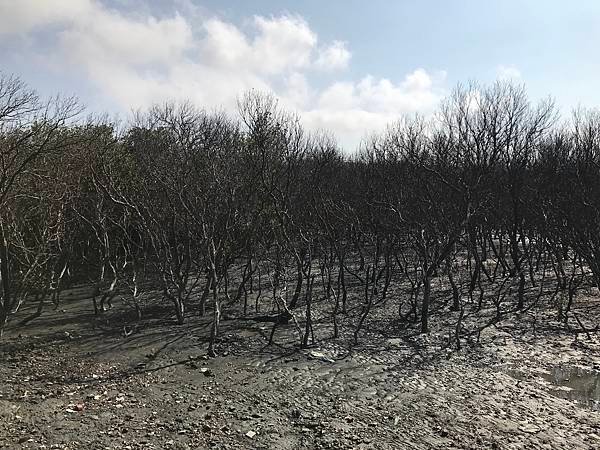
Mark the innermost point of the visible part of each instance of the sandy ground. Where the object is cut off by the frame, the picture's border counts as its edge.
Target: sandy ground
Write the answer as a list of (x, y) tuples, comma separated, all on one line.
[(71, 381)]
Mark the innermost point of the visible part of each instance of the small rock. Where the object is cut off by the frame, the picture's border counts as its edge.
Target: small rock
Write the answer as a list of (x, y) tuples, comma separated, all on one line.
[(207, 372), (529, 428), (320, 356)]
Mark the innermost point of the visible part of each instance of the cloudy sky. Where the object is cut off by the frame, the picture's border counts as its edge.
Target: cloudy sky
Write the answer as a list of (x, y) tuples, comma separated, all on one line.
[(349, 66)]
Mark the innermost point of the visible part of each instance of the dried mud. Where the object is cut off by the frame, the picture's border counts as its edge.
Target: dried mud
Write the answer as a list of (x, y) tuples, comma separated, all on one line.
[(70, 380)]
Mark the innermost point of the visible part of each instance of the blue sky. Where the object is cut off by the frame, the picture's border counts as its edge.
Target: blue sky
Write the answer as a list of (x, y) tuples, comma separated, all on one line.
[(349, 66)]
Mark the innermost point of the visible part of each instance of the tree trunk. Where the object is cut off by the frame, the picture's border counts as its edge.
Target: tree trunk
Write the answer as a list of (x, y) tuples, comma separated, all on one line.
[(214, 330), (299, 278), (521, 291), (342, 277), (179, 310), (308, 329), (3, 320), (205, 293), (5, 292), (425, 305), (455, 292)]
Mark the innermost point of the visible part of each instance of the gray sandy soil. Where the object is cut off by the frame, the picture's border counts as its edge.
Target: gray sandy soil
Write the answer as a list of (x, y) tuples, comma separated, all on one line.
[(70, 381)]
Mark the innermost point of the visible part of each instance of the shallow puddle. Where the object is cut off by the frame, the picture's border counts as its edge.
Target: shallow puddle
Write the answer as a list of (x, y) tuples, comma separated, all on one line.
[(571, 383)]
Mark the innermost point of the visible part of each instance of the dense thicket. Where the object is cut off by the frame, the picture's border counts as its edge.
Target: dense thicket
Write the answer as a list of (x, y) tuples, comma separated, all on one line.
[(493, 198)]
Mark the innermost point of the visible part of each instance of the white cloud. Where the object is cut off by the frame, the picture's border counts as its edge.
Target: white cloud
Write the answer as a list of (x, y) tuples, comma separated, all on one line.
[(418, 80), (109, 38), (297, 94), (509, 72), (224, 45), (136, 59), (22, 16), (335, 56), (351, 109), (282, 43)]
